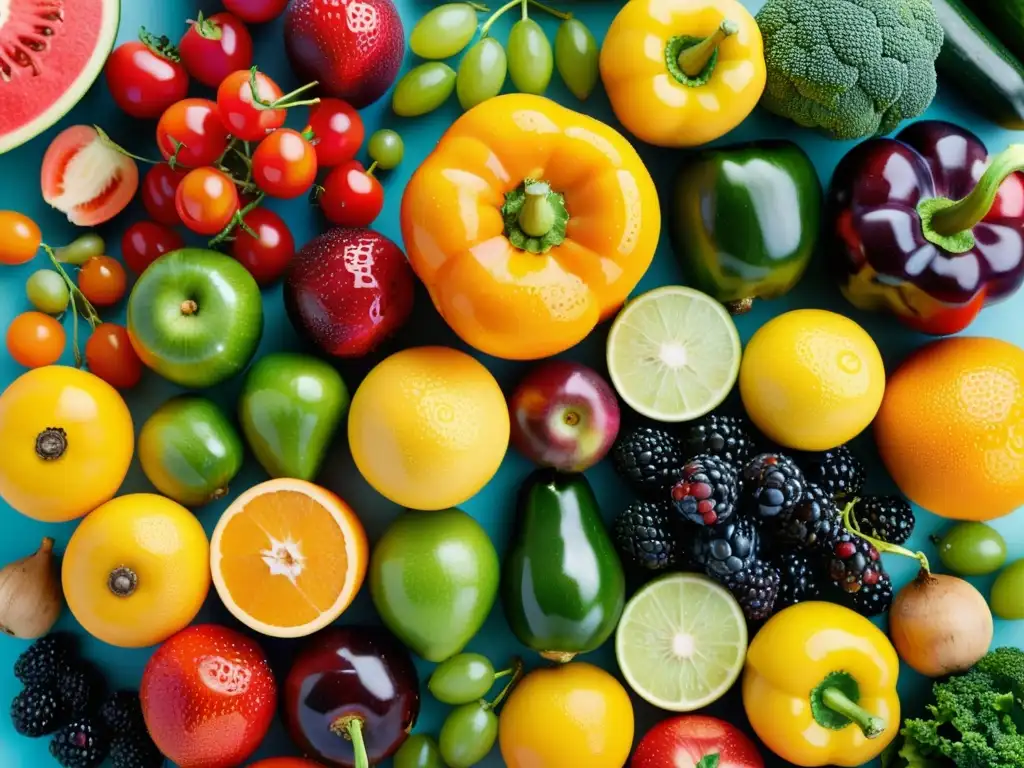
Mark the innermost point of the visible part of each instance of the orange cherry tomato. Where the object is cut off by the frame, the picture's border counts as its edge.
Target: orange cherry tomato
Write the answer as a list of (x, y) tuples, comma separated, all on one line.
[(103, 281), (35, 339), (284, 164), (19, 238), (206, 201), (110, 355)]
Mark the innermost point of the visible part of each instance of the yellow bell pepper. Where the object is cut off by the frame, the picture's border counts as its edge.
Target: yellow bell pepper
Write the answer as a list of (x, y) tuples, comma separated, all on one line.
[(819, 686), (681, 73), (529, 224)]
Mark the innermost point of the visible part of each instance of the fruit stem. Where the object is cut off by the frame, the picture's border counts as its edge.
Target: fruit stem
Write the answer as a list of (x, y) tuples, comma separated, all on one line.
[(372, 168), (51, 443), (105, 139), (91, 315), (478, 7), (872, 725), (882, 546), (161, 46), (524, 3), (350, 727), (286, 101), (517, 674), (693, 59), (122, 581), (208, 29), (238, 220), (504, 673), (537, 216), (963, 215), (563, 15)]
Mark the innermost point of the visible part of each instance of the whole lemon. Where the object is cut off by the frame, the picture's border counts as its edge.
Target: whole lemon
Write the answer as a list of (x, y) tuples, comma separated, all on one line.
[(811, 380), (136, 570), (569, 715), (428, 427), (951, 428)]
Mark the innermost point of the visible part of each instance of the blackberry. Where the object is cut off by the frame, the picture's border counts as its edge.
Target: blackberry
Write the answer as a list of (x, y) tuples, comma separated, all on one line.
[(644, 534), (888, 518), (800, 580), (37, 711), (121, 712), (855, 566), (707, 491), (871, 600), (773, 485), (724, 436), (135, 751), (838, 471), (81, 690), (46, 659), (726, 549), (812, 524), (756, 589), (649, 459), (82, 744)]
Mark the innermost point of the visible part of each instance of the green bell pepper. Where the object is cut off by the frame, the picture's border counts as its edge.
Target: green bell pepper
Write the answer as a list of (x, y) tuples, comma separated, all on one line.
[(745, 220)]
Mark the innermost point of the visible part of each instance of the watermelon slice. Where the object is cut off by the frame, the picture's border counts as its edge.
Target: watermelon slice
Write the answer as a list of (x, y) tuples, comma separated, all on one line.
[(51, 52)]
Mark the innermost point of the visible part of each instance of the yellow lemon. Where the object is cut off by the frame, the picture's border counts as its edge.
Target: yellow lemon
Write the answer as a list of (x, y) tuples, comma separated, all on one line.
[(573, 714), (428, 427), (811, 380)]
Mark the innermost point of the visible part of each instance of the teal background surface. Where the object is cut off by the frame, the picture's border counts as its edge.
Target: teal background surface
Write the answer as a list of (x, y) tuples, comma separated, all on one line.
[(19, 190)]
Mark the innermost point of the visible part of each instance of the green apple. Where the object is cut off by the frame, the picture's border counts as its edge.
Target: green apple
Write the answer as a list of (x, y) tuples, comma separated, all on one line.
[(195, 317), (290, 408)]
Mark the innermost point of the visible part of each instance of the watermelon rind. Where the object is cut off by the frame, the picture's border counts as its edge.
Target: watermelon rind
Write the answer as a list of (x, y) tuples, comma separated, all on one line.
[(109, 25)]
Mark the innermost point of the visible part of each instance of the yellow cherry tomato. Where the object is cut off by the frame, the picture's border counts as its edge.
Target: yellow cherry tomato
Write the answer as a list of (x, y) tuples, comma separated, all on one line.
[(67, 442)]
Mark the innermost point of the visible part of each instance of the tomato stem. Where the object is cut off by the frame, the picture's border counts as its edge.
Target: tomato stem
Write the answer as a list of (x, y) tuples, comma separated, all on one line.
[(851, 524), (285, 102), (105, 138), (517, 674), (208, 29), (91, 315), (372, 168), (315, 193), (161, 46), (238, 221)]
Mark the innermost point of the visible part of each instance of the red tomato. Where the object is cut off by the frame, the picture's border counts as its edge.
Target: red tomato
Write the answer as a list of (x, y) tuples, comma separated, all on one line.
[(196, 125), (284, 164), (338, 131), (682, 742), (207, 201), (20, 238), (102, 280), (158, 190), (110, 355), (351, 196), (267, 255), (35, 339), (146, 241), (145, 77), (256, 11), (242, 117), (216, 46)]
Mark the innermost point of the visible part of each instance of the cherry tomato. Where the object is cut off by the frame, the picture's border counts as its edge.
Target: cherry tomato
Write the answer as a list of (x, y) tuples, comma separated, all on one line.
[(35, 339), (145, 77), (102, 280), (351, 196), (207, 200), (267, 255), (20, 238), (256, 11), (196, 125), (146, 241), (243, 118), (110, 355), (158, 188), (338, 131), (215, 46), (284, 164)]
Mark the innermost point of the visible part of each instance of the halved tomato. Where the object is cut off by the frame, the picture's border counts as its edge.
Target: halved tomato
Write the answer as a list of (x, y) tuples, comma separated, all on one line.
[(87, 178)]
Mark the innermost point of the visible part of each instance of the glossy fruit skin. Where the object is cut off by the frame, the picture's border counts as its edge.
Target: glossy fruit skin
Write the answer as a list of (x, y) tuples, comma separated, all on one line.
[(290, 408), (20, 238), (256, 11), (35, 340), (215, 47), (206, 200), (345, 672), (109, 354), (691, 738), (284, 164), (208, 697), (190, 451), (159, 189), (467, 735), (163, 550), (461, 679), (423, 89), (144, 82), (284, 762), (530, 57), (482, 72), (561, 605), (349, 290), (195, 123), (103, 281), (267, 256), (146, 241), (338, 132), (351, 196), (236, 106), (81, 249), (419, 751), (443, 31), (1007, 599), (386, 149), (576, 54), (95, 421), (972, 549), (47, 292), (434, 578), (572, 714), (356, 60), (195, 317)]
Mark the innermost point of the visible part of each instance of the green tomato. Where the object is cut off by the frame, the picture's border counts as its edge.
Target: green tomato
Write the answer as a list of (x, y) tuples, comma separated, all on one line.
[(386, 149), (418, 751), (48, 292), (972, 549), (1007, 600), (530, 59), (467, 735), (82, 249), (576, 55), (423, 89), (443, 31), (481, 73), (462, 679)]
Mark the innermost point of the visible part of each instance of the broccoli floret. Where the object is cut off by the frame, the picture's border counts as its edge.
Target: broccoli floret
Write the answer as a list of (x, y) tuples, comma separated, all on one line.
[(853, 68)]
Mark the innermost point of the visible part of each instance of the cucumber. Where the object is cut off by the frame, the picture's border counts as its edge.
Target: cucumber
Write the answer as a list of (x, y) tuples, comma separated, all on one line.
[(1006, 19), (983, 69)]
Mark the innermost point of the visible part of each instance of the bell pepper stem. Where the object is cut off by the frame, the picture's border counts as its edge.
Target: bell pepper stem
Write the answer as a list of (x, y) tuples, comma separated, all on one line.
[(872, 725), (350, 728), (965, 214), (695, 58), (537, 217)]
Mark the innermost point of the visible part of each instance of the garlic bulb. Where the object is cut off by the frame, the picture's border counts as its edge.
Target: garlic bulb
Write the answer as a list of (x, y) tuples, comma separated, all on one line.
[(30, 594)]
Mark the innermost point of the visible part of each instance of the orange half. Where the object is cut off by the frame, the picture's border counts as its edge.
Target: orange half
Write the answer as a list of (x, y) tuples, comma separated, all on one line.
[(288, 557)]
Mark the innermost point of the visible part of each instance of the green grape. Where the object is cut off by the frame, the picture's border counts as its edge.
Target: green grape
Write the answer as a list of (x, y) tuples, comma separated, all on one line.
[(443, 31), (481, 73), (418, 751), (530, 59), (423, 89), (972, 549), (82, 249), (48, 292), (1007, 599), (386, 149), (576, 57), (467, 735), (462, 679)]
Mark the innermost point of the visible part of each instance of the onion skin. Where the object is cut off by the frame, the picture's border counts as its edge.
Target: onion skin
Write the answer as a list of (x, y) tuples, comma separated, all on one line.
[(940, 625), (30, 594)]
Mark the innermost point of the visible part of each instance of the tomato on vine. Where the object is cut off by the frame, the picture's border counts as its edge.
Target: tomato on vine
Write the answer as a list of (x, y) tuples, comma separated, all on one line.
[(158, 188), (191, 131), (146, 241), (351, 196), (35, 339), (244, 118), (20, 238), (109, 354), (338, 131), (102, 280), (146, 76), (284, 164), (256, 11), (207, 201), (215, 46), (266, 255)]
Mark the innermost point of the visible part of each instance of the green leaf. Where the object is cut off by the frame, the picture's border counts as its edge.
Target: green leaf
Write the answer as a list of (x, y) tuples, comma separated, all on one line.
[(709, 761)]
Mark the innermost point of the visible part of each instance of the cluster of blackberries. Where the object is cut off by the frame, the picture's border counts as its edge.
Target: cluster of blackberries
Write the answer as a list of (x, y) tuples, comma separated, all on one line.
[(766, 525), (64, 698)]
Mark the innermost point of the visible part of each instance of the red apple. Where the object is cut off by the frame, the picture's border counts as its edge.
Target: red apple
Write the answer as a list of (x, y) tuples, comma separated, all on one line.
[(564, 415), (695, 741)]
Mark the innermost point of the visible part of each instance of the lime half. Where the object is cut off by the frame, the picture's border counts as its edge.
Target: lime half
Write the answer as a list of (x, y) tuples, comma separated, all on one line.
[(681, 642), (673, 354)]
